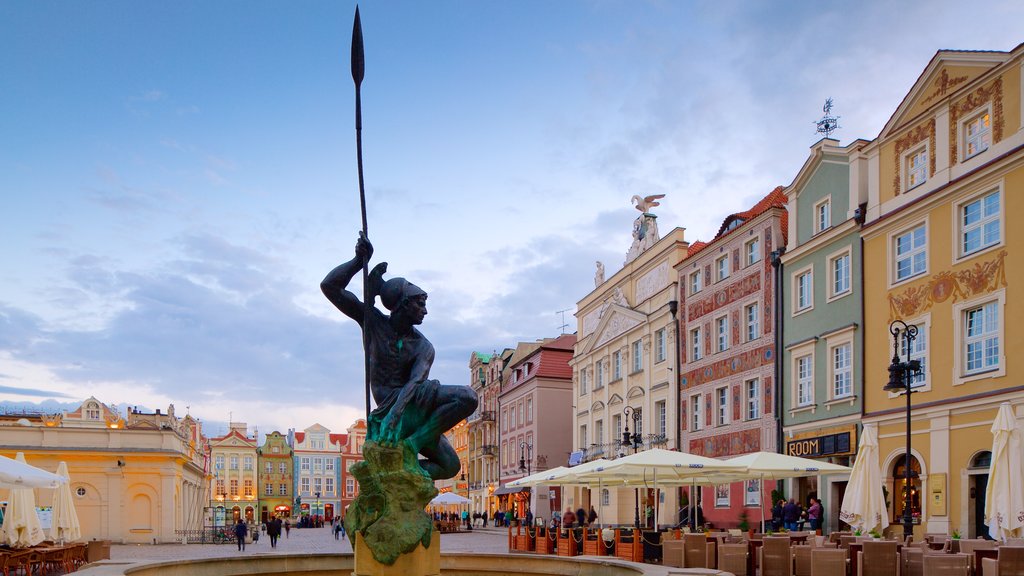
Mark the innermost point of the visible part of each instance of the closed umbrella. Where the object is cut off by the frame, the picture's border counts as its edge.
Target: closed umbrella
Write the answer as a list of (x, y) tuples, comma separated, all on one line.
[(1004, 497), (864, 503), (21, 527), (64, 518)]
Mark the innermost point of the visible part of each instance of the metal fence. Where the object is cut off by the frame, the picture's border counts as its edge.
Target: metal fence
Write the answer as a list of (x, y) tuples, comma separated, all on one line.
[(207, 535)]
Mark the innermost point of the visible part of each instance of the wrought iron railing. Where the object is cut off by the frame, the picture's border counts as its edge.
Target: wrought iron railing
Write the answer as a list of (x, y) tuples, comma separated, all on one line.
[(612, 450), (489, 450), (207, 535)]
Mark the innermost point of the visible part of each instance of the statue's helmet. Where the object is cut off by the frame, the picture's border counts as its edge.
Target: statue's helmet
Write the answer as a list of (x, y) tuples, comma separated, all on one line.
[(397, 290)]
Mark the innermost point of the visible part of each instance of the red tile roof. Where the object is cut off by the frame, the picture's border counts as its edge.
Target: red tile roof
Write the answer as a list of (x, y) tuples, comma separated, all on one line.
[(299, 437), (775, 199), (339, 439)]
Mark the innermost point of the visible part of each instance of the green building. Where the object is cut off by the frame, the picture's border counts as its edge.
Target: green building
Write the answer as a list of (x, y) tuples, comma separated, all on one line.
[(274, 463)]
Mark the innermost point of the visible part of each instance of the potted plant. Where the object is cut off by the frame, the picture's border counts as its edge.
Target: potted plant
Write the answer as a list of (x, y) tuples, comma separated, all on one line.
[(956, 534), (745, 524)]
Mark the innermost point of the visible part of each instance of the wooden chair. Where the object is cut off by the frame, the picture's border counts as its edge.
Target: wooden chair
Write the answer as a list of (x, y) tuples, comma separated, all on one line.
[(776, 557), (969, 545), (672, 553), (828, 562), (947, 565), (5, 562), (1009, 563), (734, 558), (878, 559), (698, 552), (802, 558), (911, 561)]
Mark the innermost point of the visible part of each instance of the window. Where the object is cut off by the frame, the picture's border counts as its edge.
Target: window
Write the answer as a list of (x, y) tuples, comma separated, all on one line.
[(599, 431), (804, 291), (268, 467), (638, 356), (617, 426), (583, 436), (918, 351), (661, 412), (599, 374), (529, 409), (504, 417), (840, 272), (318, 464), (522, 414), (329, 464), (234, 462), (304, 464), (234, 488), (220, 488), (616, 365), (911, 253), (583, 381), (248, 462), (842, 371), (659, 345), (981, 342), (977, 134), (752, 251), (916, 167), (92, 411), (350, 486), (753, 321), (696, 422), (318, 484), (696, 282), (282, 489), (218, 462), (250, 491), (823, 215), (268, 489), (304, 484), (722, 329), (804, 380), (329, 485), (512, 416), (722, 268), (605, 497), (979, 224), (696, 346), (753, 396), (722, 395)]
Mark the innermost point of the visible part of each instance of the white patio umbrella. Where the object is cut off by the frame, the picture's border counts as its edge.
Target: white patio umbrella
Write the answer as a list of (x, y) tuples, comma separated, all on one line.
[(863, 505), (64, 518), (449, 498), (537, 478), (1004, 497), (19, 474), (21, 527), (565, 476)]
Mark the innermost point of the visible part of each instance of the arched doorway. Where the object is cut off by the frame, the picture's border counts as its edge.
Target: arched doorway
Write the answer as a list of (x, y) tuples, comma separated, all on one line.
[(900, 489), (978, 486), (328, 512), (236, 513), (250, 514)]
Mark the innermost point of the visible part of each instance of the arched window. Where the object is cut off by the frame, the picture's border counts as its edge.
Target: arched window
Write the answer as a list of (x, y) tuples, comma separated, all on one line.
[(92, 411), (900, 488), (982, 460), (605, 497)]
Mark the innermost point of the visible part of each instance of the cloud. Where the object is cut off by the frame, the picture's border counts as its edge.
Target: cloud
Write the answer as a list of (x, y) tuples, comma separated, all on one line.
[(30, 392)]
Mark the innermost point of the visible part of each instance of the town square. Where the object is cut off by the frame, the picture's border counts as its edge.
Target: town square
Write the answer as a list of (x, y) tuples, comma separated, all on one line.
[(524, 287)]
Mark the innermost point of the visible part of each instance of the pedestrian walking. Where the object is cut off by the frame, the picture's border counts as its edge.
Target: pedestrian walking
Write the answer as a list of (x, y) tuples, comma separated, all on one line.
[(274, 531), (592, 517), (240, 531), (337, 529)]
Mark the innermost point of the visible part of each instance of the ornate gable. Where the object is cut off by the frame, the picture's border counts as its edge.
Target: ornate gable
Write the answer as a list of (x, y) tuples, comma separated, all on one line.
[(616, 321)]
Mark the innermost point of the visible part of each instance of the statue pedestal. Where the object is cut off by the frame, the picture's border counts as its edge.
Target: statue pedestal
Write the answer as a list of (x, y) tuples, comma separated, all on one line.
[(420, 562)]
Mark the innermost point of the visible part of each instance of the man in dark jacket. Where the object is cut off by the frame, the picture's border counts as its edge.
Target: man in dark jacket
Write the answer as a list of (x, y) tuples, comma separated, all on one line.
[(240, 531), (791, 514), (274, 531), (581, 516)]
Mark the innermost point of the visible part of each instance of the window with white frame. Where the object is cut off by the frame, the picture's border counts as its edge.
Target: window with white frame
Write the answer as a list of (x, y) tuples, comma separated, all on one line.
[(752, 392), (282, 468), (752, 316), (583, 436), (248, 462), (616, 365), (638, 356), (304, 464), (617, 426), (318, 484), (911, 249), (318, 464), (529, 409), (752, 251), (234, 462), (840, 268), (218, 462), (504, 416), (918, 350), (221, 491), (268, 489), (722, 330), (722, 268), (804, 291), (916, 167), (977, 132), (268, 467), (599, 374), (522, 414), (696, 423), (722, 396), (329, 462), (659, 345), (696, 282), (282, 489), (350, 486), (981, 338), (605, 497), (329, 485), (842, 370), (583, 381), (304, 484), (823, 215), (696, 346), (661, 413), (599, 431), (805, 380), (980, 223)]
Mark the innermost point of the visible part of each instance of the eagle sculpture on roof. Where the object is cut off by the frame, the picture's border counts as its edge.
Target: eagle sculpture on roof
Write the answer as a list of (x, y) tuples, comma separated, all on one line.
[(647, 202)]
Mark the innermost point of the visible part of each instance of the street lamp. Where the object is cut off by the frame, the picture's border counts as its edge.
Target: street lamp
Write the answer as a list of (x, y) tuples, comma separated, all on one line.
[(525, 457), (635, 441), (317, 512), (901, 378)]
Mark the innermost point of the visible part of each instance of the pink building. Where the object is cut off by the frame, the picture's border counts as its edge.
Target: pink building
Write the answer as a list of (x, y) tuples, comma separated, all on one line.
[(727, 332), (535, 422)]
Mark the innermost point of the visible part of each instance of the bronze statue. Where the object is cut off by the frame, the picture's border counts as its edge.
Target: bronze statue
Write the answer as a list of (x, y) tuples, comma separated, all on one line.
[(411, 408)]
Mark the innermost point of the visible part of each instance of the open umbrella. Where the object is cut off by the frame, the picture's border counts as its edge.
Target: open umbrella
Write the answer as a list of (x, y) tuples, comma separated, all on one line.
[(64, 519), (1004, 497), (18, 474), (537, 478), (449, 498), (21, 527), (864, 503)]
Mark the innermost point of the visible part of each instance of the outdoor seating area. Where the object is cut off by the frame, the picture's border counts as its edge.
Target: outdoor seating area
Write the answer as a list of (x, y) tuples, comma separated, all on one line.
[(46, 558)]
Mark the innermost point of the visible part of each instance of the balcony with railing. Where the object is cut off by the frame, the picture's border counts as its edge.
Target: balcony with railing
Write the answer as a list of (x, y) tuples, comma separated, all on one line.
[(489, 450), (613, 450)]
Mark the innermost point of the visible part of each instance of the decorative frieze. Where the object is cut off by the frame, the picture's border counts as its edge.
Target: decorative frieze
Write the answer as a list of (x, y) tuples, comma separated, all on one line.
[(652, 282), (749, 360), (980, 278), (908, 140), (734, 443), (993, 93), (736, 291)]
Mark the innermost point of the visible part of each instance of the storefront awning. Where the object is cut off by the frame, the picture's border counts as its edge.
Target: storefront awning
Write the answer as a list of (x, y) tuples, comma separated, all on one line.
[(506, 490)]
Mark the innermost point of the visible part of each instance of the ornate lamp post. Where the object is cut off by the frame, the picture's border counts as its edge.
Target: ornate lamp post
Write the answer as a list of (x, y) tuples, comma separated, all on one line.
[(635, 441), (901, 378), (525, 457)]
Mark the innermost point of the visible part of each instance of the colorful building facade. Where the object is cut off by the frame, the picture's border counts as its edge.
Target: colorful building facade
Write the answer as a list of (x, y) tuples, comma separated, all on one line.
[(486, 372), (946, 176), (234, 478), (317, 471), (351, 452), (274, 464)]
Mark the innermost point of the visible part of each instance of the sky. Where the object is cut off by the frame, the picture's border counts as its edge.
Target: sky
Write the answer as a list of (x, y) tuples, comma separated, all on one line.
[(177, 177)]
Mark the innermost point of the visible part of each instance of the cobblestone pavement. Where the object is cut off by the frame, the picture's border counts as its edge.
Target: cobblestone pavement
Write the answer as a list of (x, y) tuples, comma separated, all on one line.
[(305, 540)]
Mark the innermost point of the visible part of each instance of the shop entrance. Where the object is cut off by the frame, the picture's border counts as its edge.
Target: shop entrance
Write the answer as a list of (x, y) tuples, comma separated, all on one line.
[(978, 486)]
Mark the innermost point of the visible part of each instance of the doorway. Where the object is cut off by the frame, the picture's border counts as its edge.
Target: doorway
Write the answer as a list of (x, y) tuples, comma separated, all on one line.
[(978, 486)]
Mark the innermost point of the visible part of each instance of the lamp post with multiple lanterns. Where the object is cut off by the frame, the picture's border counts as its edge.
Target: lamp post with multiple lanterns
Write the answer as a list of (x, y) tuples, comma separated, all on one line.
[(634, 440), (901, 379)]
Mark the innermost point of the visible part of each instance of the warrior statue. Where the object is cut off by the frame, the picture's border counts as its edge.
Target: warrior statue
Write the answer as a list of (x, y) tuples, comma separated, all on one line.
[(411, 409)]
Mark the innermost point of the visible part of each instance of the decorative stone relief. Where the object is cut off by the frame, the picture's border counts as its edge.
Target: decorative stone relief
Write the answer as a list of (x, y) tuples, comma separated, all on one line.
[(650, 283), (617, 325), (982, 277), (590, 321)]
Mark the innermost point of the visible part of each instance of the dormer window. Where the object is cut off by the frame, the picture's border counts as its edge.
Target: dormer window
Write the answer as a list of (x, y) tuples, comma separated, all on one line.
[(92, 411)]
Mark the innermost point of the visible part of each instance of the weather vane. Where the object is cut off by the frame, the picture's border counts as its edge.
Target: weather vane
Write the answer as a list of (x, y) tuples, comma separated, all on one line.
[(828, 123)]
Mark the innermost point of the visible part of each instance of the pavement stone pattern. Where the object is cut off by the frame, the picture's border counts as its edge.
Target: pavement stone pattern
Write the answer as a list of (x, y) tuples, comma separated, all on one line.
[(303, 540)]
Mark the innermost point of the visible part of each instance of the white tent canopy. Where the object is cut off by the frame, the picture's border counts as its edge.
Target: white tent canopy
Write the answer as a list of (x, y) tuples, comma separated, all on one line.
[(448, 498), (21, 527), (1004, 497), (18, 474)]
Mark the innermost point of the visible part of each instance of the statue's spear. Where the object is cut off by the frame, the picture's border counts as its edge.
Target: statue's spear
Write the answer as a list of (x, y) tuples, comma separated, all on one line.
[(358, 67)]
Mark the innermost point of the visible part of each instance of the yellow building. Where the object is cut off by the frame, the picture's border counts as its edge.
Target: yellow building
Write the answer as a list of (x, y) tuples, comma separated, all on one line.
[(233, 480), (137, 481), (945, 177)]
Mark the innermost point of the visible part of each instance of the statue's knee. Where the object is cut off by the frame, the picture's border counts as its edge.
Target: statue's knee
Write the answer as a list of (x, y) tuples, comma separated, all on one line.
[(468, 400)]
